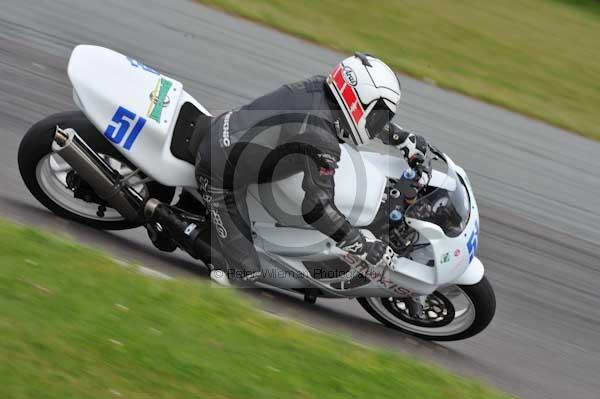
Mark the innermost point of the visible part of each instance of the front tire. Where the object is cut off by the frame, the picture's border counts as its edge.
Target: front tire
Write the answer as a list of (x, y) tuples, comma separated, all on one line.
[(37, 164), (472, 309)]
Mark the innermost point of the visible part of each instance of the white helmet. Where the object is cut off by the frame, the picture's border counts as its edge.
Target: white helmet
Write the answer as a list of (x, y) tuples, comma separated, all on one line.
[(368, 92)]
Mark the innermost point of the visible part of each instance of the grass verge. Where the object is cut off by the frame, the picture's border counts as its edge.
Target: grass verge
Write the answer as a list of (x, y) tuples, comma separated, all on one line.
[(73, 324), (537, 57)]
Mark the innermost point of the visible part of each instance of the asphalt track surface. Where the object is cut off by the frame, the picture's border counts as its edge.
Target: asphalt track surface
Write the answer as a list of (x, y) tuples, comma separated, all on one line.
[(538, 186)]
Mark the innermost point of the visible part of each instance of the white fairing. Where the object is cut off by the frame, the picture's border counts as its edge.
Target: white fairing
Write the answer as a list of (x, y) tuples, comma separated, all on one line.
[(104, 80), (454, 260)]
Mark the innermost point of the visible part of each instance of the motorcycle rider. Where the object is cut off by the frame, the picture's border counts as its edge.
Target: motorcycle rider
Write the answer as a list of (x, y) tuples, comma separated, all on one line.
[(296, 128)]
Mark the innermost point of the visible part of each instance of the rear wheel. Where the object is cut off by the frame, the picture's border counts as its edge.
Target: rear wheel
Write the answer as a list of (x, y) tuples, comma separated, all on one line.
[(452, 313), (60, 189)]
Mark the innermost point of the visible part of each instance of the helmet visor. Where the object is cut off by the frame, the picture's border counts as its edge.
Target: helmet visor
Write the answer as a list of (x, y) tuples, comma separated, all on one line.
[(378, 118)]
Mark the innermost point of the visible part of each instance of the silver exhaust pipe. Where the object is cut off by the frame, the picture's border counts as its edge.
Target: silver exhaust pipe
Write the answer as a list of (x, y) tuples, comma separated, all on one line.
[(96, 172)]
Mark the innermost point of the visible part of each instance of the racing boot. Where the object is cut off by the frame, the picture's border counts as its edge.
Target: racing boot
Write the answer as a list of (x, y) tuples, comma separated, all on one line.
[(192, 238), (180, 230)]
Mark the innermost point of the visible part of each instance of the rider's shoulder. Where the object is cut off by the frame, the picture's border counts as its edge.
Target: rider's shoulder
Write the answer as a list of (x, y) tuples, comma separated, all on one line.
[(309, 85)]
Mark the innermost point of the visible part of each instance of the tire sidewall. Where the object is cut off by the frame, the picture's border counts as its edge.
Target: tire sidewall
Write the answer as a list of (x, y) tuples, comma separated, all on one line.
[(481, 295)]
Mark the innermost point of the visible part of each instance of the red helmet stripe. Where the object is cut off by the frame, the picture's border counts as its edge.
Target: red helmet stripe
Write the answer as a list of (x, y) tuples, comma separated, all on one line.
[(338, 78), (351, 100), (348, 95), (358, 112)]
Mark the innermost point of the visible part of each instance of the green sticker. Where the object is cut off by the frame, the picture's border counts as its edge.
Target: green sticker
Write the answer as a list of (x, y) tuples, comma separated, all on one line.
[(159, 99), (446, 257)]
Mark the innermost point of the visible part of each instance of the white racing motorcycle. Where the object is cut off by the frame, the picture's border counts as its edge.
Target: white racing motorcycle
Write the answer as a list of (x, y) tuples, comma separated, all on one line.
[(129, 141)]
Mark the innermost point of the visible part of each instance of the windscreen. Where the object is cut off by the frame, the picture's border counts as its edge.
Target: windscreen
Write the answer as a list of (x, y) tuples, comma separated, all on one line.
[(447, 206)]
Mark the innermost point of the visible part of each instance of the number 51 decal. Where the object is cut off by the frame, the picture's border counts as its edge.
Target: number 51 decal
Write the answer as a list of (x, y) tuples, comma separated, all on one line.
[(120, 127)]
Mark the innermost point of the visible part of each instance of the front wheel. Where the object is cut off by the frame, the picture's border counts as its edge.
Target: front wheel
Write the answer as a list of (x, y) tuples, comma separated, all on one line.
[(450, 314)]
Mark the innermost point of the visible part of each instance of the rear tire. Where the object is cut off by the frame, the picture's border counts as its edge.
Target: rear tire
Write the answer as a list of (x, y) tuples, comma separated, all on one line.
[(36, 145), (483, 301)]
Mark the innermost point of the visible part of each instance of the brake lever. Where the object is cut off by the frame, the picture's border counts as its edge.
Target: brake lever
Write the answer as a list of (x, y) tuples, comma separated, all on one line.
[(420, 166), (429, 167)]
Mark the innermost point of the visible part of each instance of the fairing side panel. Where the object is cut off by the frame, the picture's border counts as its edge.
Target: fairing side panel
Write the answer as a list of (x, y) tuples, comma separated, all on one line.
[(134, 106)]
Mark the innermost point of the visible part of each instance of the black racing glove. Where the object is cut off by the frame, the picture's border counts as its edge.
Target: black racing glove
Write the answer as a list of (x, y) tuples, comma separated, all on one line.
[(412, 145), (373, 251)]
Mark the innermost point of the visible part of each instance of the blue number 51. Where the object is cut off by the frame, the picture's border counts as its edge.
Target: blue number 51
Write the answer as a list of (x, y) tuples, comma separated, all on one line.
[(120, 127)]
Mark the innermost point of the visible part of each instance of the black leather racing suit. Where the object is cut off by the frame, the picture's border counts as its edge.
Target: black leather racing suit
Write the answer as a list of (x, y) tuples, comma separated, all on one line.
[(290, 130)]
